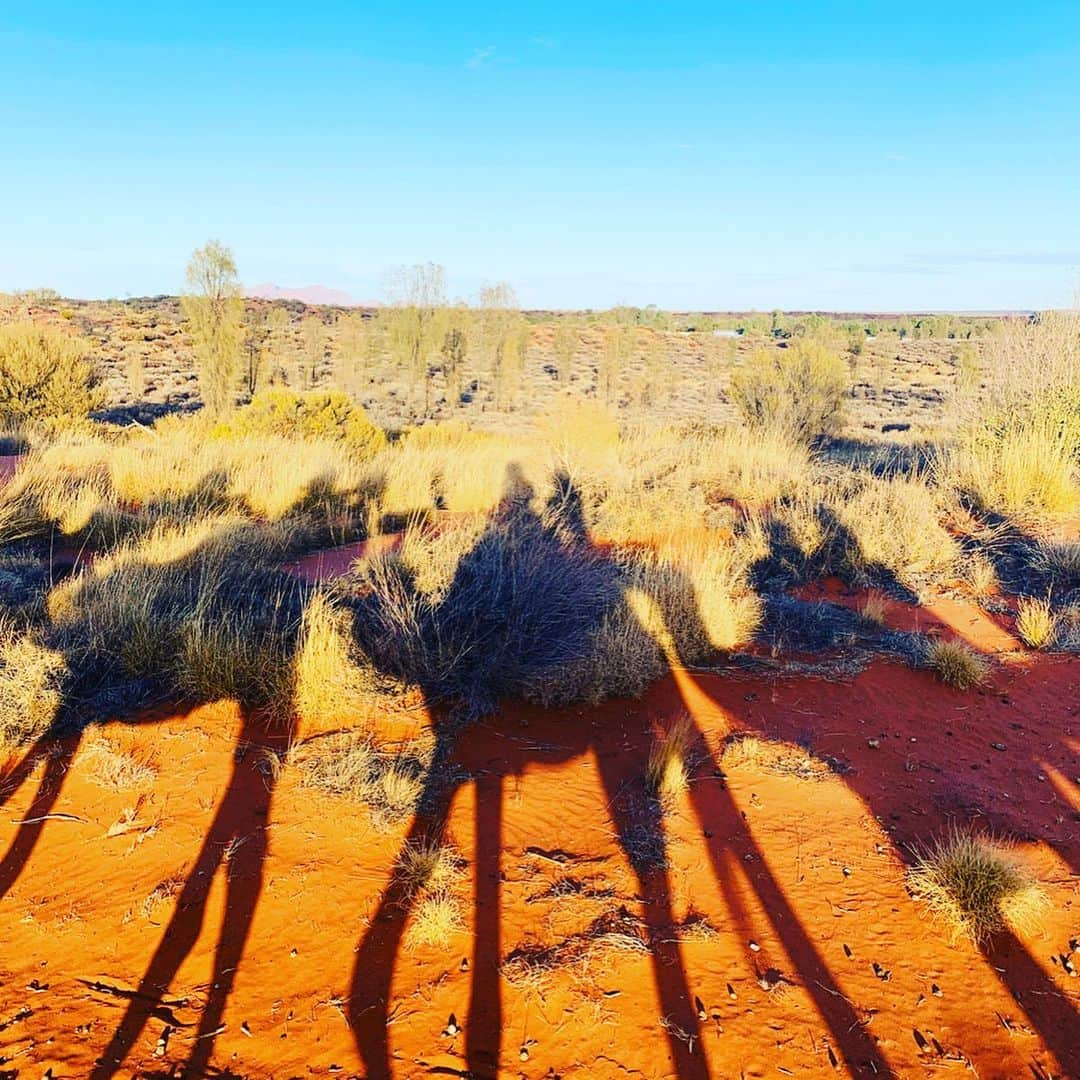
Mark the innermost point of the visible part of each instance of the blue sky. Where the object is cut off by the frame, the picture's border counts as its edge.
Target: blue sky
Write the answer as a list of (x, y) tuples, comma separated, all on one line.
[(876, 156)]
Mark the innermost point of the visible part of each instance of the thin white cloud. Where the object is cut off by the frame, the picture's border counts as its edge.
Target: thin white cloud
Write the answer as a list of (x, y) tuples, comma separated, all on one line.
[(481, 57)]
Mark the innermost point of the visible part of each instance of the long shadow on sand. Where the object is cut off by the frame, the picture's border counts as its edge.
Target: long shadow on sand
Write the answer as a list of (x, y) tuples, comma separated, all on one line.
[(638, 821)]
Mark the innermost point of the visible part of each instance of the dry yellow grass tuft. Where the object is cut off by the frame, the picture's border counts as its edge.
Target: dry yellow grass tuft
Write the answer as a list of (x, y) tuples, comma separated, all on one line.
[(772, 755), (431, 873), (31, 687), (389, 780), (894, 525), (1024, 470), (1061, 561), (958, 665), (1035, 622), (981, 577), (874, 608), (113, 768), (332, 681), (667, 769), (976, 888)]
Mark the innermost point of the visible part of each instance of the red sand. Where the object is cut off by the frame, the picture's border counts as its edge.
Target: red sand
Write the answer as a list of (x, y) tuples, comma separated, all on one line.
[(8, 464), (333, 562), (234, 923)]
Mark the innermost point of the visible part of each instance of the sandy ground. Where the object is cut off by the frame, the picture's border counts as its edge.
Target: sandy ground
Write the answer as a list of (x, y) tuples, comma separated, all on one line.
[(225, 921)]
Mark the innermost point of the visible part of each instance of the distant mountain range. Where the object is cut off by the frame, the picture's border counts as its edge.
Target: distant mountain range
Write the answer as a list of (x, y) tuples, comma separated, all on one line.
[(309, 294)]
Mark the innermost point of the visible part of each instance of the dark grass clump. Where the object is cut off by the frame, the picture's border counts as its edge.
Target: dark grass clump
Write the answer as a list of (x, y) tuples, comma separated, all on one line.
[(526, 599)]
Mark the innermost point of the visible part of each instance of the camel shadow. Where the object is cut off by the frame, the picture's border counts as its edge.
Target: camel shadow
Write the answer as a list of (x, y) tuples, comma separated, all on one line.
[(634, 806), (97, 687)]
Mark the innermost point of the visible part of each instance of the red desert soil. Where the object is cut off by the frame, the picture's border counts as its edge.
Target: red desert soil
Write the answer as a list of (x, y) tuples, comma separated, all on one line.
[(226, 921), (8, 464)]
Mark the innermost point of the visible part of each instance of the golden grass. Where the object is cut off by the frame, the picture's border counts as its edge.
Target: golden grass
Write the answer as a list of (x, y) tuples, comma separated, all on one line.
[(667, 768), (874, 608), (895, 525), (31, 687), (198, 609), (1035, 622), (106, 482), (389, 780), (958, 665), (1025, 470), (682, 602), (430, 873), (981, 576), (435, 920), (420, 477), (332, 680), (754, 468), (772, 755), (976, 888), (117, 769)]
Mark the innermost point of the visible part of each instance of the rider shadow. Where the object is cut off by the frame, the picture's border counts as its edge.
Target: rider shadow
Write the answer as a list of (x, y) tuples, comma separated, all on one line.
[(636, 811)]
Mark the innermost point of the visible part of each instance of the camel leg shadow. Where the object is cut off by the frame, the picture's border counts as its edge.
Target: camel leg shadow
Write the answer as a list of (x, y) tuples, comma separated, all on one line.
[(727, 833), (373, 969), (58, 759), (638, 820), (484, 1029), (247, 796)]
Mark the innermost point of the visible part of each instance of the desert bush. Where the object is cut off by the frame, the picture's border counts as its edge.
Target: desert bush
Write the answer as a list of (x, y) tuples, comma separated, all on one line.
[(33, 679), (678, 604), (329, 416), (1060, 561), (1035, 622), (199, 613), (331, 679), (957, 665), (798, 390), (1022, 468), (975, 888), (104, 488), (893, 526), (414, 320), (1033, 375), (753, 467), (45, 373), (1020, 440), (523, 599)]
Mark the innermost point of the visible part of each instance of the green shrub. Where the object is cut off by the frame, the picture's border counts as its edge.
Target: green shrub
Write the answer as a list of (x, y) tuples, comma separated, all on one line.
[(45, 373), (327, 415), (799, 389)]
